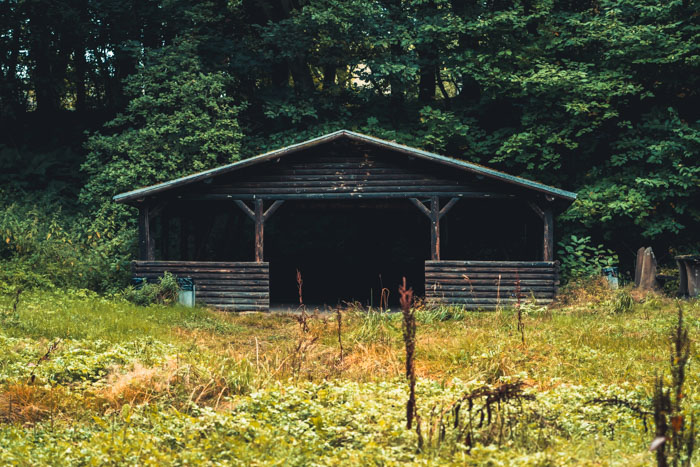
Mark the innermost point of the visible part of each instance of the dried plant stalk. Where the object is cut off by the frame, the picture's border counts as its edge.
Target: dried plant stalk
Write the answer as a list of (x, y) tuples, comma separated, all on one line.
[(409, 338)]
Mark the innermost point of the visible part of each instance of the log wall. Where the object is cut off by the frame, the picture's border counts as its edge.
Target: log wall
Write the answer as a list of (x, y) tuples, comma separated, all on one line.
[(239, 286), (488, 284), (336, 173)]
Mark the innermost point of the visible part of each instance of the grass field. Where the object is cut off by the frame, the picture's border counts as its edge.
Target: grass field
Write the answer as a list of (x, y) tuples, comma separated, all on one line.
[(157, 385)]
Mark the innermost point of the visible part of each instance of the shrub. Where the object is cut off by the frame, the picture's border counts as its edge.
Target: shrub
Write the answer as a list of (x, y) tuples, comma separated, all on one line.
[(164, 292), (43, 247), (579, 259)]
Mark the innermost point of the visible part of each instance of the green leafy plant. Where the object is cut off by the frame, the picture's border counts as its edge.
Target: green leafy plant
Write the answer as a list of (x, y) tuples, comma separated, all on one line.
[(164, 292), (580, 259)]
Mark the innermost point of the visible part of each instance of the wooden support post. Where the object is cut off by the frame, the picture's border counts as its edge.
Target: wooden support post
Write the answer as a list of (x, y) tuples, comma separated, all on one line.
[(146, 250), (548, 241), (259, 226), (448, 206), (183, 232), (271, 210), (421, 207), (435, 228), (164, 236), (244, 207), (259, 216), (434, 214), (548, 230)]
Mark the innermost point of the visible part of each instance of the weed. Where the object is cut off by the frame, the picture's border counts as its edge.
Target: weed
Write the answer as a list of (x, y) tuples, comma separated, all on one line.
[(300, 284), (43, 358), (668, 404), (621, 302), (12, 318), (519, 309), (409, 339), (339, 321)]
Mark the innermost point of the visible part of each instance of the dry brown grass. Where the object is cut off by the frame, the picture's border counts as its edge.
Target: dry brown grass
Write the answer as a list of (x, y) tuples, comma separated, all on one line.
[(587, 293), (139, 385), (27, 404)]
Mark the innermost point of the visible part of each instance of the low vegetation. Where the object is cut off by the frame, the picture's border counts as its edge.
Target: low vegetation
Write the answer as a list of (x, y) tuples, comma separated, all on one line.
[(88, 379)]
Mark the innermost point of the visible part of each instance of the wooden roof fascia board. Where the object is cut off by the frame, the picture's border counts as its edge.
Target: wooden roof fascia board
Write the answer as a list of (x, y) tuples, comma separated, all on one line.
[(140, 193)]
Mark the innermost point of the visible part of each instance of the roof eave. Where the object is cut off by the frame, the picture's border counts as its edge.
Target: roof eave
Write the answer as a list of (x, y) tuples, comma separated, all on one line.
[(135, 195)]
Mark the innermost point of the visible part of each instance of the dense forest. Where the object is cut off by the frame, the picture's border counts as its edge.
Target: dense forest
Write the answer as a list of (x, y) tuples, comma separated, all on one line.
[(101, 96)]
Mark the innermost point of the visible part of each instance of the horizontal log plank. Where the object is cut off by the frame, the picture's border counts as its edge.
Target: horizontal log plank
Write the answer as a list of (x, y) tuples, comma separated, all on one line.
[(233, 294), (205, 286), (331, 182), (486, 288), (339, 188), (489, 296), (494, 270), (343, 176), (233, 283), (305, 171), (474, 306), (194, 271), (488, 301), (491, 263), (245, 264), (346, 195), (203, 276), (490, 281), (243, 301), (240, 307), (504, 277)]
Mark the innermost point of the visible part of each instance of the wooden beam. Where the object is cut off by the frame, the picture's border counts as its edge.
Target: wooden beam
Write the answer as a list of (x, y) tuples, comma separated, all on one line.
[(448, 206), (244, 207), (538, 210), (304, 194), (435, 228), (146, 247), (143, 232), (548, 240), (259, 226), (421, 207), (184, 238), (271, 210), (165, 236)]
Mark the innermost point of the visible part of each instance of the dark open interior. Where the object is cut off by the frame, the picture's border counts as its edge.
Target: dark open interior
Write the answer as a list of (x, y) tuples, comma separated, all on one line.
[(347, 250)]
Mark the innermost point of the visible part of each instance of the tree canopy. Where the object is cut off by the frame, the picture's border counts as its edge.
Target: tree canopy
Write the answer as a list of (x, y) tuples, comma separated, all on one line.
[(594, 96)]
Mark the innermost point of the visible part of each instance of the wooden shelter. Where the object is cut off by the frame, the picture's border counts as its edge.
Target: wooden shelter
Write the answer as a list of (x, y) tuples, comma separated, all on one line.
[(344, 202)]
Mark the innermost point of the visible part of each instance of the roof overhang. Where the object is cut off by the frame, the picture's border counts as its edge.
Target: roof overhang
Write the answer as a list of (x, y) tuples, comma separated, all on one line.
[(136, 195)]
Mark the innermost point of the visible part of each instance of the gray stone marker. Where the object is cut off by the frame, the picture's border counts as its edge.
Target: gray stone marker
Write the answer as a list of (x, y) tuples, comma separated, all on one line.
[(645, 273), (689, 268)]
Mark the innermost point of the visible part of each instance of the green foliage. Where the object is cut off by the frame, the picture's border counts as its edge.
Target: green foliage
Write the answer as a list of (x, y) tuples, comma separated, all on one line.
[(180, 119), (376, 326), (164, 292), (189, 388), (621, 302), (598, 97), (43, 248), (579, 259)]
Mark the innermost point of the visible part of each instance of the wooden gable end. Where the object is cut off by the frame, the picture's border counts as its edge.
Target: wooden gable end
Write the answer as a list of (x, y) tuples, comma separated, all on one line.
[(348, 170)]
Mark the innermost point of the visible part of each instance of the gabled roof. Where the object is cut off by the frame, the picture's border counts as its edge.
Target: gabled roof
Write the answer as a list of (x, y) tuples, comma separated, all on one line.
[(351, 135)]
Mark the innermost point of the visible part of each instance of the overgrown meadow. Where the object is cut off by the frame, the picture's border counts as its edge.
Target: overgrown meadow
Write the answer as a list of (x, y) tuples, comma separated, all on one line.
[(88, 379)]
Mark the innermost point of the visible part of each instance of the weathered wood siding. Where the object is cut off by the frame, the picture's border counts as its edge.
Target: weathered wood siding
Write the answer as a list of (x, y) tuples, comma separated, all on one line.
[(336, 172), (486, 284), (240, 286)]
